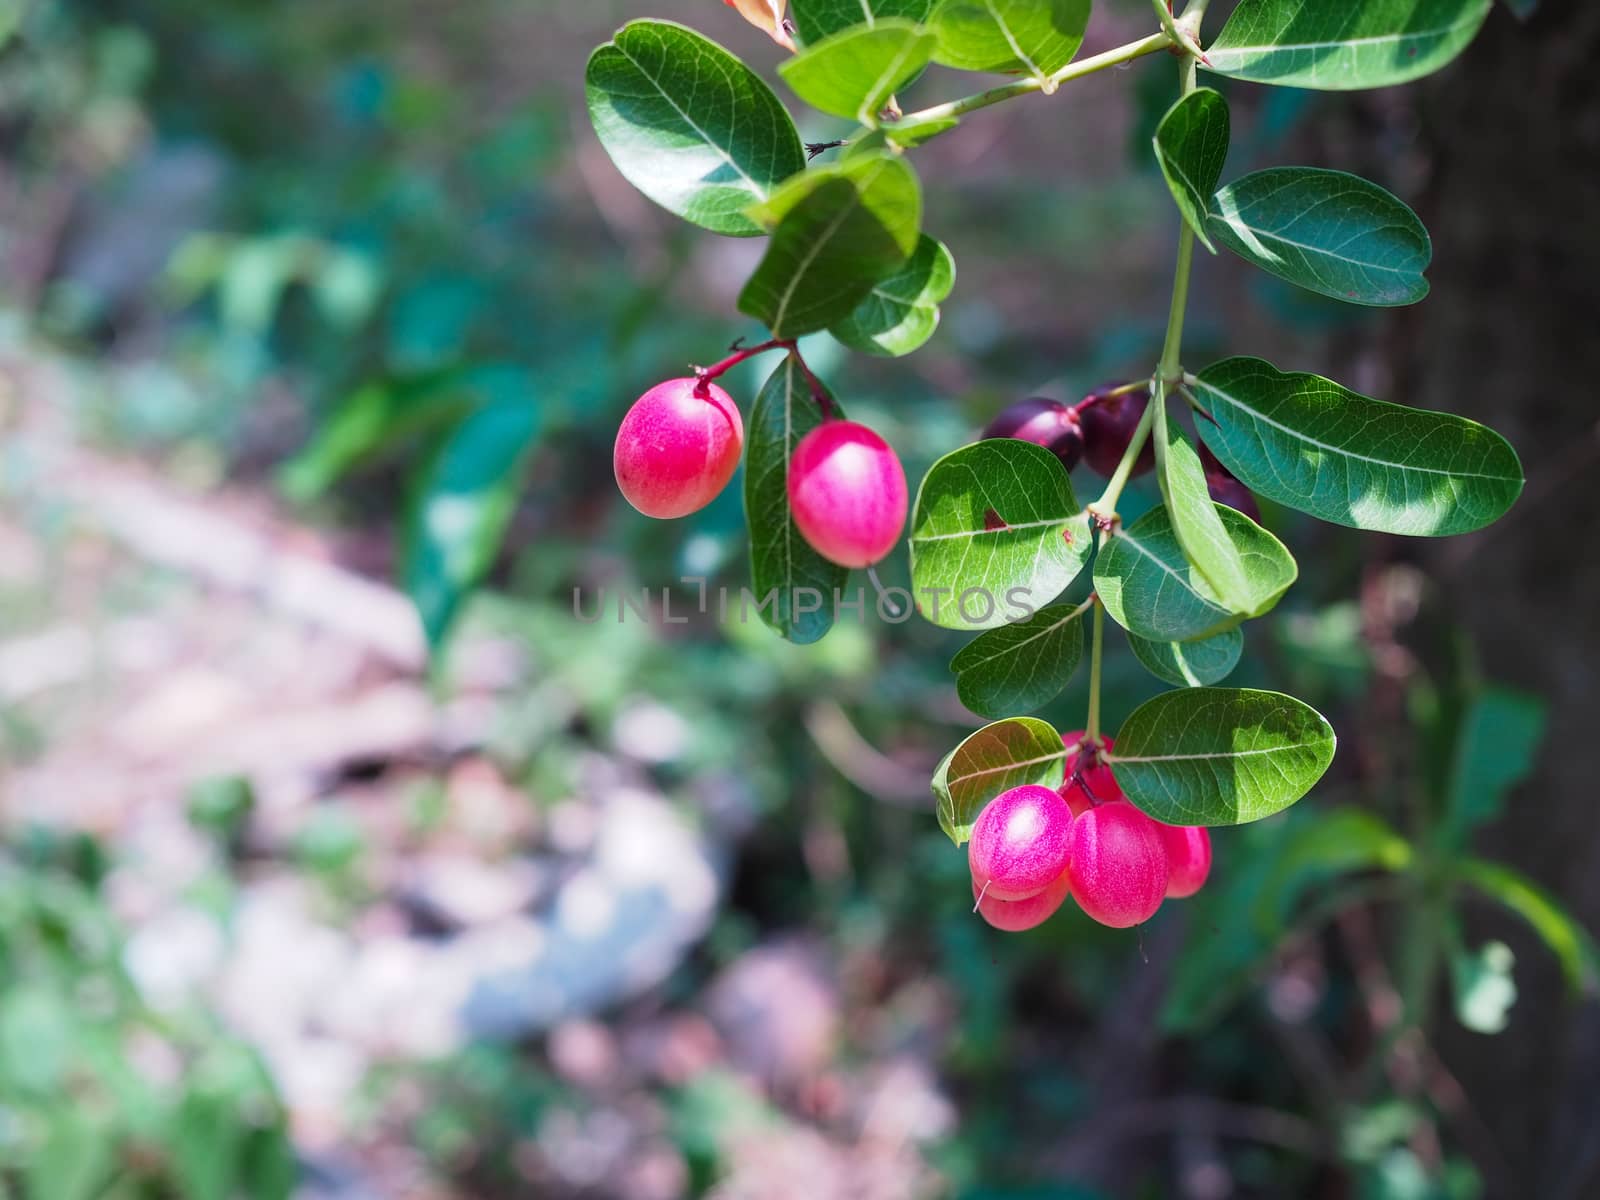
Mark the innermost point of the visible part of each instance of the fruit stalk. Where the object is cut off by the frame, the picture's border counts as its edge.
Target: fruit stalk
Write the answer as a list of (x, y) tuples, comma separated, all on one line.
[(1093, 732)]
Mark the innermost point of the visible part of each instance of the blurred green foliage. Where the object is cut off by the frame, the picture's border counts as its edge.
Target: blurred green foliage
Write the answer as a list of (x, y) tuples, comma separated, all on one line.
[(410, 252), (100, 1095)]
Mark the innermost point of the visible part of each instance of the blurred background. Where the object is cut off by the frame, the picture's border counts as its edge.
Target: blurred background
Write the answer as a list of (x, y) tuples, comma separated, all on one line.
[(327, 873)]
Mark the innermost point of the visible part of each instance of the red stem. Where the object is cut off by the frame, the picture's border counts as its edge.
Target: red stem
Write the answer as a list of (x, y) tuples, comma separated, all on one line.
[(818, 393), (706, 374)]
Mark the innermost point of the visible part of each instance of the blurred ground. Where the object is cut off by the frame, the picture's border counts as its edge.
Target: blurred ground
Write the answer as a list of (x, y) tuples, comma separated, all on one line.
[(620, 911)]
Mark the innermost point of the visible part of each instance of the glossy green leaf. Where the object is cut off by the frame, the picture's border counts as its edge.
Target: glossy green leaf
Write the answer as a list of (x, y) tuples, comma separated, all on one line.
[(995, 759), (462, 505), (1559, 929), (1220, 756), (690, 125), (901, 311), (1151, 589), (1191, 146), (1345, 44), (1196, 519), (1021, 667), (1190, 664), (1327, 231), (816, 19), (1313, 445), (1495, 747), (838, 230), (1033, 37), (996, 533), (781, 561), (854, 73)]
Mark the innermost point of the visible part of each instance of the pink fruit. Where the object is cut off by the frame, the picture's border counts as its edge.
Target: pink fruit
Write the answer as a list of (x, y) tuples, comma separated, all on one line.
[(847, 492), (1019, 842), (1188, 858), (1101, 783), (677, 449), (1108, 424), (1014, 916), (1046, 423), (1117, 862)]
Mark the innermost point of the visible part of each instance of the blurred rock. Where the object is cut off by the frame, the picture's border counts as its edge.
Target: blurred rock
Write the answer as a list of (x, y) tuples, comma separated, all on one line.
[(650, 732), (902, 1102), (674, 1049), (457, 890), (172, 956), (619, 925), (778, 1011), (585, 1053)]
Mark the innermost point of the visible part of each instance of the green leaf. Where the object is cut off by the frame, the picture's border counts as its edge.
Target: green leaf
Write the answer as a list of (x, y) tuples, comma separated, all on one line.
[(1248, 909), (995, 759), (816, 19), (1495, 745), (1327, 231), (76, 1158), (1484, 986), (1196, 519), (1191, 145), (1021, 667), (463, 502), (853, 73), (839, 230), (690, 125), (1313, 445), (1220, 756), (780, 559), (36, 1039), (997, 531), (1345, 45), (901, 311), (1341, 842), (10, 17), (371, 421), (1154, 592), (1569, 941), (1034, 37), (1190, 664)]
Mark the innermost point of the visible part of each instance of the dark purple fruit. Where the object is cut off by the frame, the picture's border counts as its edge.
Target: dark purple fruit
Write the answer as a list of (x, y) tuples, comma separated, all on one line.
[(1225, 488), (1108, 424), (1043, 422)]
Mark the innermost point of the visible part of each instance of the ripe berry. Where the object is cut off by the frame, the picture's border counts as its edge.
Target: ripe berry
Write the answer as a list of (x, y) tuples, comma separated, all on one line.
[(1225, 489), (1188, 858), (1098, 783), (1014, 916), (1046, 423), (1019, 842), (677, 449), (847, 492), (1117, 862), (1108, 425)]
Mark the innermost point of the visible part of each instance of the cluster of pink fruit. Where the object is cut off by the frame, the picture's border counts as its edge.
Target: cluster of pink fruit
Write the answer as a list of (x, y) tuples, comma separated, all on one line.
[(1097, 430), (1032, 847), (680, 444)]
